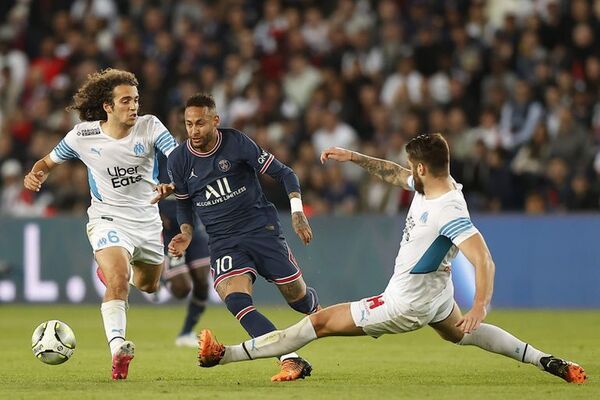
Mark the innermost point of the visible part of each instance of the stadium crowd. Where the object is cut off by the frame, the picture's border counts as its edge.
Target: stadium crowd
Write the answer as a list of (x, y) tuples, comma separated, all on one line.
[(513, 85)]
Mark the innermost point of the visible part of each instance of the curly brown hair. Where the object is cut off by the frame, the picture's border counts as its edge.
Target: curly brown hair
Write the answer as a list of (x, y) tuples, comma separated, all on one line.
[(97, 90)]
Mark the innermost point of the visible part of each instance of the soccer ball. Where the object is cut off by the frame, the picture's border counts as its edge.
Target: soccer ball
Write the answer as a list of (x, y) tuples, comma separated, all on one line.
[(53, 342)]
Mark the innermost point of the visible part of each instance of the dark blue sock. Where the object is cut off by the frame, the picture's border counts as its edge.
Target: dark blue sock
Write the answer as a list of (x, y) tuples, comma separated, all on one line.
[(242, 308), (308, 304), (194, 311)]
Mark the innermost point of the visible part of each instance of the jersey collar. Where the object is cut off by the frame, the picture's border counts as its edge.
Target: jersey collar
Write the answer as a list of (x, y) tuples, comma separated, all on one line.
[(208, 153)]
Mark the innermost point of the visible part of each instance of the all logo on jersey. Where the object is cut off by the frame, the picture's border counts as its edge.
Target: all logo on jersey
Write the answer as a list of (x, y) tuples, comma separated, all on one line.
[(424, 216), (223, 189), (96, 151), (224, 165), (218, 192), (192, 175), (139, 149)]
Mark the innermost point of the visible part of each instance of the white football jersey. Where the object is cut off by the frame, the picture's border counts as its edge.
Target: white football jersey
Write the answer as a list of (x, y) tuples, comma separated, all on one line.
[(433, 230), (121, 172)]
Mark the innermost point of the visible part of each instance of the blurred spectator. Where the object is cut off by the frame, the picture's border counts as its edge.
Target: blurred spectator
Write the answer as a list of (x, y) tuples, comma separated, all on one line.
[(529, 164), (582, 196), (15, 200), (520, 115), (341, 194), (534, 203), (488, 131), (499, 182), (557, 187), (404, 85), (333, 132), (300, 81), (514, 86), (571, 143), (13, 70)]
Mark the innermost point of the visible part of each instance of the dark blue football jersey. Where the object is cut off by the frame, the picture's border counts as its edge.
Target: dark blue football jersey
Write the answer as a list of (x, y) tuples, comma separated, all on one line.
[(222, 186)]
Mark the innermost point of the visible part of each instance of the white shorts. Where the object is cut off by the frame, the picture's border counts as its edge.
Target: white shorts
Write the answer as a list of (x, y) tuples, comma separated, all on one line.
[(144, 243), (380, 314)]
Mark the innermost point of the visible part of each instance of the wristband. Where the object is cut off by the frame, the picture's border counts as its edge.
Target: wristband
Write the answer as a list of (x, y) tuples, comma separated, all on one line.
[(296, 205)]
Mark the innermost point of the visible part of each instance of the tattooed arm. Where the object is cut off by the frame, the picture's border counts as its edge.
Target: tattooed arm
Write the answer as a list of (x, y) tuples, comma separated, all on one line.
[(387, 171)]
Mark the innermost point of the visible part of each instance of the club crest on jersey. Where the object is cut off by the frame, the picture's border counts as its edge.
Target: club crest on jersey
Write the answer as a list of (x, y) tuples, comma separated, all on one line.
[(224, 165), (424, 216), (138, 149)]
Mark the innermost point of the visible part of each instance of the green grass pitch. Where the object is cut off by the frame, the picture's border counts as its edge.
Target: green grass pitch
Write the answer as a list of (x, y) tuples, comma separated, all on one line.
[(417, 365)]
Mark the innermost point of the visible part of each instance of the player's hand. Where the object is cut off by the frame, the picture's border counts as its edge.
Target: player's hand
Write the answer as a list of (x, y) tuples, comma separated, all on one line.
[(33, 180), (471, 320), (179, 244), (162, 190), (336, 153), (301, 226)]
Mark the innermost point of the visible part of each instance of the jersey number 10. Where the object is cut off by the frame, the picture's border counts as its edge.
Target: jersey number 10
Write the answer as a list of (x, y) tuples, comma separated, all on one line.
[(224, 264)]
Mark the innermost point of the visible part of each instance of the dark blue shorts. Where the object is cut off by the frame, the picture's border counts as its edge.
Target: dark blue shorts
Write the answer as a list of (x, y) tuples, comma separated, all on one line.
[(264, 253)]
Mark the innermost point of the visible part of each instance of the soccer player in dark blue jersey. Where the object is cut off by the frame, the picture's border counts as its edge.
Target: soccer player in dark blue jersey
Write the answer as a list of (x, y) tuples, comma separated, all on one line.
[(215, 174)]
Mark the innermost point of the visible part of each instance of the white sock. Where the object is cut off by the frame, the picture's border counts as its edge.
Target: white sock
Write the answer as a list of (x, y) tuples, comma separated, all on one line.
[(114, 315), (289, 355), (496, 340), (273, 343)]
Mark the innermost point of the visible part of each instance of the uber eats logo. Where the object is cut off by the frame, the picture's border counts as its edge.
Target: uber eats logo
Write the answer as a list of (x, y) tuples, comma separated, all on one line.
[(124, 176)]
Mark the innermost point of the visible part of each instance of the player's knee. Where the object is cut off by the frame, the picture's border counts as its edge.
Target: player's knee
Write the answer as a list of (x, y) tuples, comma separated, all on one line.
[(319, 322), (180, 291), (117, 282), (307, 304), (149, 287), (179, 287)]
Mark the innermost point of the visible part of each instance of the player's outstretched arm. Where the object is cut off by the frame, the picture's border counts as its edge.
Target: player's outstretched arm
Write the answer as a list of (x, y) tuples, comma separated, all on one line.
[(38, 174), (299, 220), (477, 252), (385, 170)]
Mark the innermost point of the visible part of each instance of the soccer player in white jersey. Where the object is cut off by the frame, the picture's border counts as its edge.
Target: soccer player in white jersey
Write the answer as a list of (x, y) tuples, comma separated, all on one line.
[(420, 292), (125, 230)]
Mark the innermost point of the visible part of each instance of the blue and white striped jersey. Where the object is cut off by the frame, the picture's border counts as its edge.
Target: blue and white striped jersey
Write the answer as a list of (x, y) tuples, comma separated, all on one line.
[(433, 230), (121, 172)]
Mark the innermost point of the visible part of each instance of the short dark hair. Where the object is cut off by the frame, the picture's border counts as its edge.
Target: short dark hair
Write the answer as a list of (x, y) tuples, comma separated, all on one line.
[(201, 100), (97, 90), (431, 150)]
